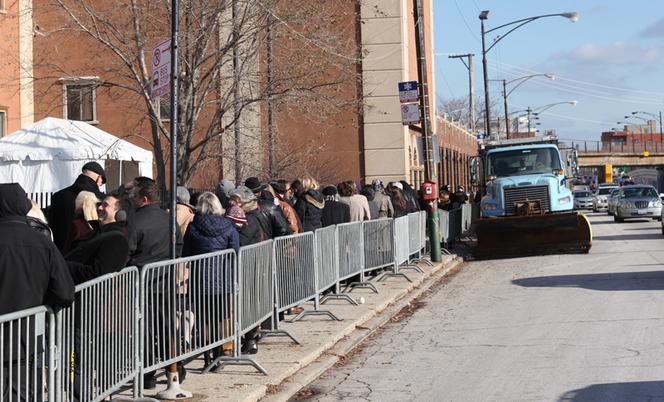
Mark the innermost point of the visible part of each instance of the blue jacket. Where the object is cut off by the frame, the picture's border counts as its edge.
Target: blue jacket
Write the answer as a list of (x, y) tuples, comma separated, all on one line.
[(206, 234)]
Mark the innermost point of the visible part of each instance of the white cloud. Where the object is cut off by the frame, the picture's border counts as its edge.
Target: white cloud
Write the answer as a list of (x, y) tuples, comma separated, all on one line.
[(619, 53), (655, 30)]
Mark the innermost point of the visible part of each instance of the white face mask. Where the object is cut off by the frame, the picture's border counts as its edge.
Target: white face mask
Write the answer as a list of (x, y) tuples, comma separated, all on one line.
[(276, 201)]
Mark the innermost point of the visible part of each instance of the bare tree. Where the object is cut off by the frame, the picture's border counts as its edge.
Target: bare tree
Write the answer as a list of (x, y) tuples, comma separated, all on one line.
[(458, 109), (224, 85)]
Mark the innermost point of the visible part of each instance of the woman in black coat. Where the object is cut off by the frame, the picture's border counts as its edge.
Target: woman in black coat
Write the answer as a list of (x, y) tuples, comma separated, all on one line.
[(309, 206)]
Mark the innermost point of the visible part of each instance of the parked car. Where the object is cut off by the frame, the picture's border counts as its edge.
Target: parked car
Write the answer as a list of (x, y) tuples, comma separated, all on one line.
[(638, 201), (611, 200), (601, 196), (583, 200)]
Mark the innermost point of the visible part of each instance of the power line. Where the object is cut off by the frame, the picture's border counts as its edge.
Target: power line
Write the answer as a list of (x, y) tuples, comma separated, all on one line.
[(463, 18)]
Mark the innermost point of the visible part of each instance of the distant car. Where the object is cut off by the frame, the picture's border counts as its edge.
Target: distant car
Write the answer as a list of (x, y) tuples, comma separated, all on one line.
[(611, 201), (638, 201), (583, 200), (601, 197)]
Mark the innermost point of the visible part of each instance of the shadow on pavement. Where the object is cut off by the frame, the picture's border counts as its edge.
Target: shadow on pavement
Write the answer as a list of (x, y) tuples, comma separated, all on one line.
[(630, 236), (614, 281), (617, 392)]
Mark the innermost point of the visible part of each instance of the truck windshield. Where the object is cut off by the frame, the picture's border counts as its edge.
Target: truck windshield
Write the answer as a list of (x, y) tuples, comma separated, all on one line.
[(605, 190), (523, 162)]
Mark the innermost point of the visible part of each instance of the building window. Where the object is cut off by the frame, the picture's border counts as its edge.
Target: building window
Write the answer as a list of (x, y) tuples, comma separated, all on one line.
[(3, 117), (80, 99)]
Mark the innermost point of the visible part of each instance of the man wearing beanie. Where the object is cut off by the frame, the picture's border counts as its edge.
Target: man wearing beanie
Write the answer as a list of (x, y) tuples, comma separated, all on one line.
[(334, 212)]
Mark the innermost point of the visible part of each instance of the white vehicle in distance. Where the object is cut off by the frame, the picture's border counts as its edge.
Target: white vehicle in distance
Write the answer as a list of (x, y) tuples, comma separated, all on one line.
[(583, 199), (601, 196)]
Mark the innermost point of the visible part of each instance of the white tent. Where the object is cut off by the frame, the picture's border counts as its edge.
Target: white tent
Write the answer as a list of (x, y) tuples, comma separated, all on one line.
[(49, 154)]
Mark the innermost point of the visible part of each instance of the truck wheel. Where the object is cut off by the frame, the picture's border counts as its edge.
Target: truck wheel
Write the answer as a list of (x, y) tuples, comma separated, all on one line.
[(616, 218)]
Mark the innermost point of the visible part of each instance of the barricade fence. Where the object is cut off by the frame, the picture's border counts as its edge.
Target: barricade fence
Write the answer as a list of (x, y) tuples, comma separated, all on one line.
[(187, 307), (43, 199), (97, 338), (28, 340), (133, 322)]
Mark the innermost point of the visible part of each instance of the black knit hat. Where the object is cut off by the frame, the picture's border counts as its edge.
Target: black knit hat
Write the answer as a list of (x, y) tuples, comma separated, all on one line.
[(95, 167), (330, 190)]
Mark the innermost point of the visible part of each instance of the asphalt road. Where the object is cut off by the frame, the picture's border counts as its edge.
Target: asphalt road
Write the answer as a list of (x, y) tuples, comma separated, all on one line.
[(551, 328)]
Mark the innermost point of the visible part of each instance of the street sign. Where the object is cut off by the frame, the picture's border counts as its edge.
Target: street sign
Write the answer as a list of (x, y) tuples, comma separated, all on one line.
[(161, 69), (410, 113), (408, 92)]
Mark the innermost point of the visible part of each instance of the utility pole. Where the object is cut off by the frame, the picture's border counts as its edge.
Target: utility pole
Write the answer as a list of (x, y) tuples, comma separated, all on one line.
[(429, 172), (471, 86), (507, 119), (270, 81), (487, 107), (236, 95), (173, 390)]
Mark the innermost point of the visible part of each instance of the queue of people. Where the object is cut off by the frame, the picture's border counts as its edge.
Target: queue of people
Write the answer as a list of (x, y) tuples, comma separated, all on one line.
[(89, 234)]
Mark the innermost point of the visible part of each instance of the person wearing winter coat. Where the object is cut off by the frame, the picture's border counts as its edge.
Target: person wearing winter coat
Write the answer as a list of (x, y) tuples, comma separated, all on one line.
[(184, 212), (410, 196), (309, 205), (149, 227), (359, 206), (208, 232), (334, 212), (61, 211), (385, 208), (32, 273), (368, 192), (280, 190), (394, 191), (266, 202), (86, 220), (253, 231)]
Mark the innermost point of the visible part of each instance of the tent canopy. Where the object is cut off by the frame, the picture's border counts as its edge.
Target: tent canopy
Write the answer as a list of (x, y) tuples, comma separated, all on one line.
[(48, 155)]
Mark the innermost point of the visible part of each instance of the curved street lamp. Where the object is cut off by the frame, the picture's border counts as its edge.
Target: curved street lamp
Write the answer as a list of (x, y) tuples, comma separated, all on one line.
[(484, 15), (656, 116), (519, 81), (539, 109)]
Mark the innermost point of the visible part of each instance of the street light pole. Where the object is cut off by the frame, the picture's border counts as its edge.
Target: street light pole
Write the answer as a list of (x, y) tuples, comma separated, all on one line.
[(572, 16), (429, 172)]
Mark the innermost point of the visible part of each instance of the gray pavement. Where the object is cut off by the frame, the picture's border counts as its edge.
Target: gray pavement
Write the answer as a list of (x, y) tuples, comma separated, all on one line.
[(551, 328)]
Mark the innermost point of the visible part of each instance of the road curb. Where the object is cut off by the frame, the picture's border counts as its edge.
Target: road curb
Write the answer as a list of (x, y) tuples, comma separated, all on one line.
[(363, 329)]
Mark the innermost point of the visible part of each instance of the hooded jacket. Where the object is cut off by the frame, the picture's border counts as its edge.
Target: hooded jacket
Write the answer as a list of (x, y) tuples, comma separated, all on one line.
[(32, 270), (309, 208), (61, 211)]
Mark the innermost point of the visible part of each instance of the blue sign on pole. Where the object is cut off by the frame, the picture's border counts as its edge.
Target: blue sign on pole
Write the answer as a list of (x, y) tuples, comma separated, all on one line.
[(408, 92)]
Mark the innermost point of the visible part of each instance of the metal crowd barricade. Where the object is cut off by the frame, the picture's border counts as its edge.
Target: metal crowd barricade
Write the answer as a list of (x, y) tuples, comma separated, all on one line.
[(187, 307), (444, 227), (25, 347), (415, 241), (401, 245), (378, 244), (423, 232), (350, 247), (97, 338), (327, 268), (254, 299), (296, 274)]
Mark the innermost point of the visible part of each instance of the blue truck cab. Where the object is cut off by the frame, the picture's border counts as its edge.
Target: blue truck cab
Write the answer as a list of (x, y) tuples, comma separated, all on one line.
[(519, 173)]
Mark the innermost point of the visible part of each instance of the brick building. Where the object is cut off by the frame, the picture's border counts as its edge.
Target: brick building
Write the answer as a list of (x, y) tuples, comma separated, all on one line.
[(634, 135), (457, 146), (76, 78)]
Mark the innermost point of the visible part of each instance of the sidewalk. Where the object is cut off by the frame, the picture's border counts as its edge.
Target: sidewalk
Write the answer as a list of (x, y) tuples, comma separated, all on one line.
[(322, 340)]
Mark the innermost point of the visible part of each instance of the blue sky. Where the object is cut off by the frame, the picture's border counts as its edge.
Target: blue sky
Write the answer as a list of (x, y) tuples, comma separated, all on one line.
[(611, 61)]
